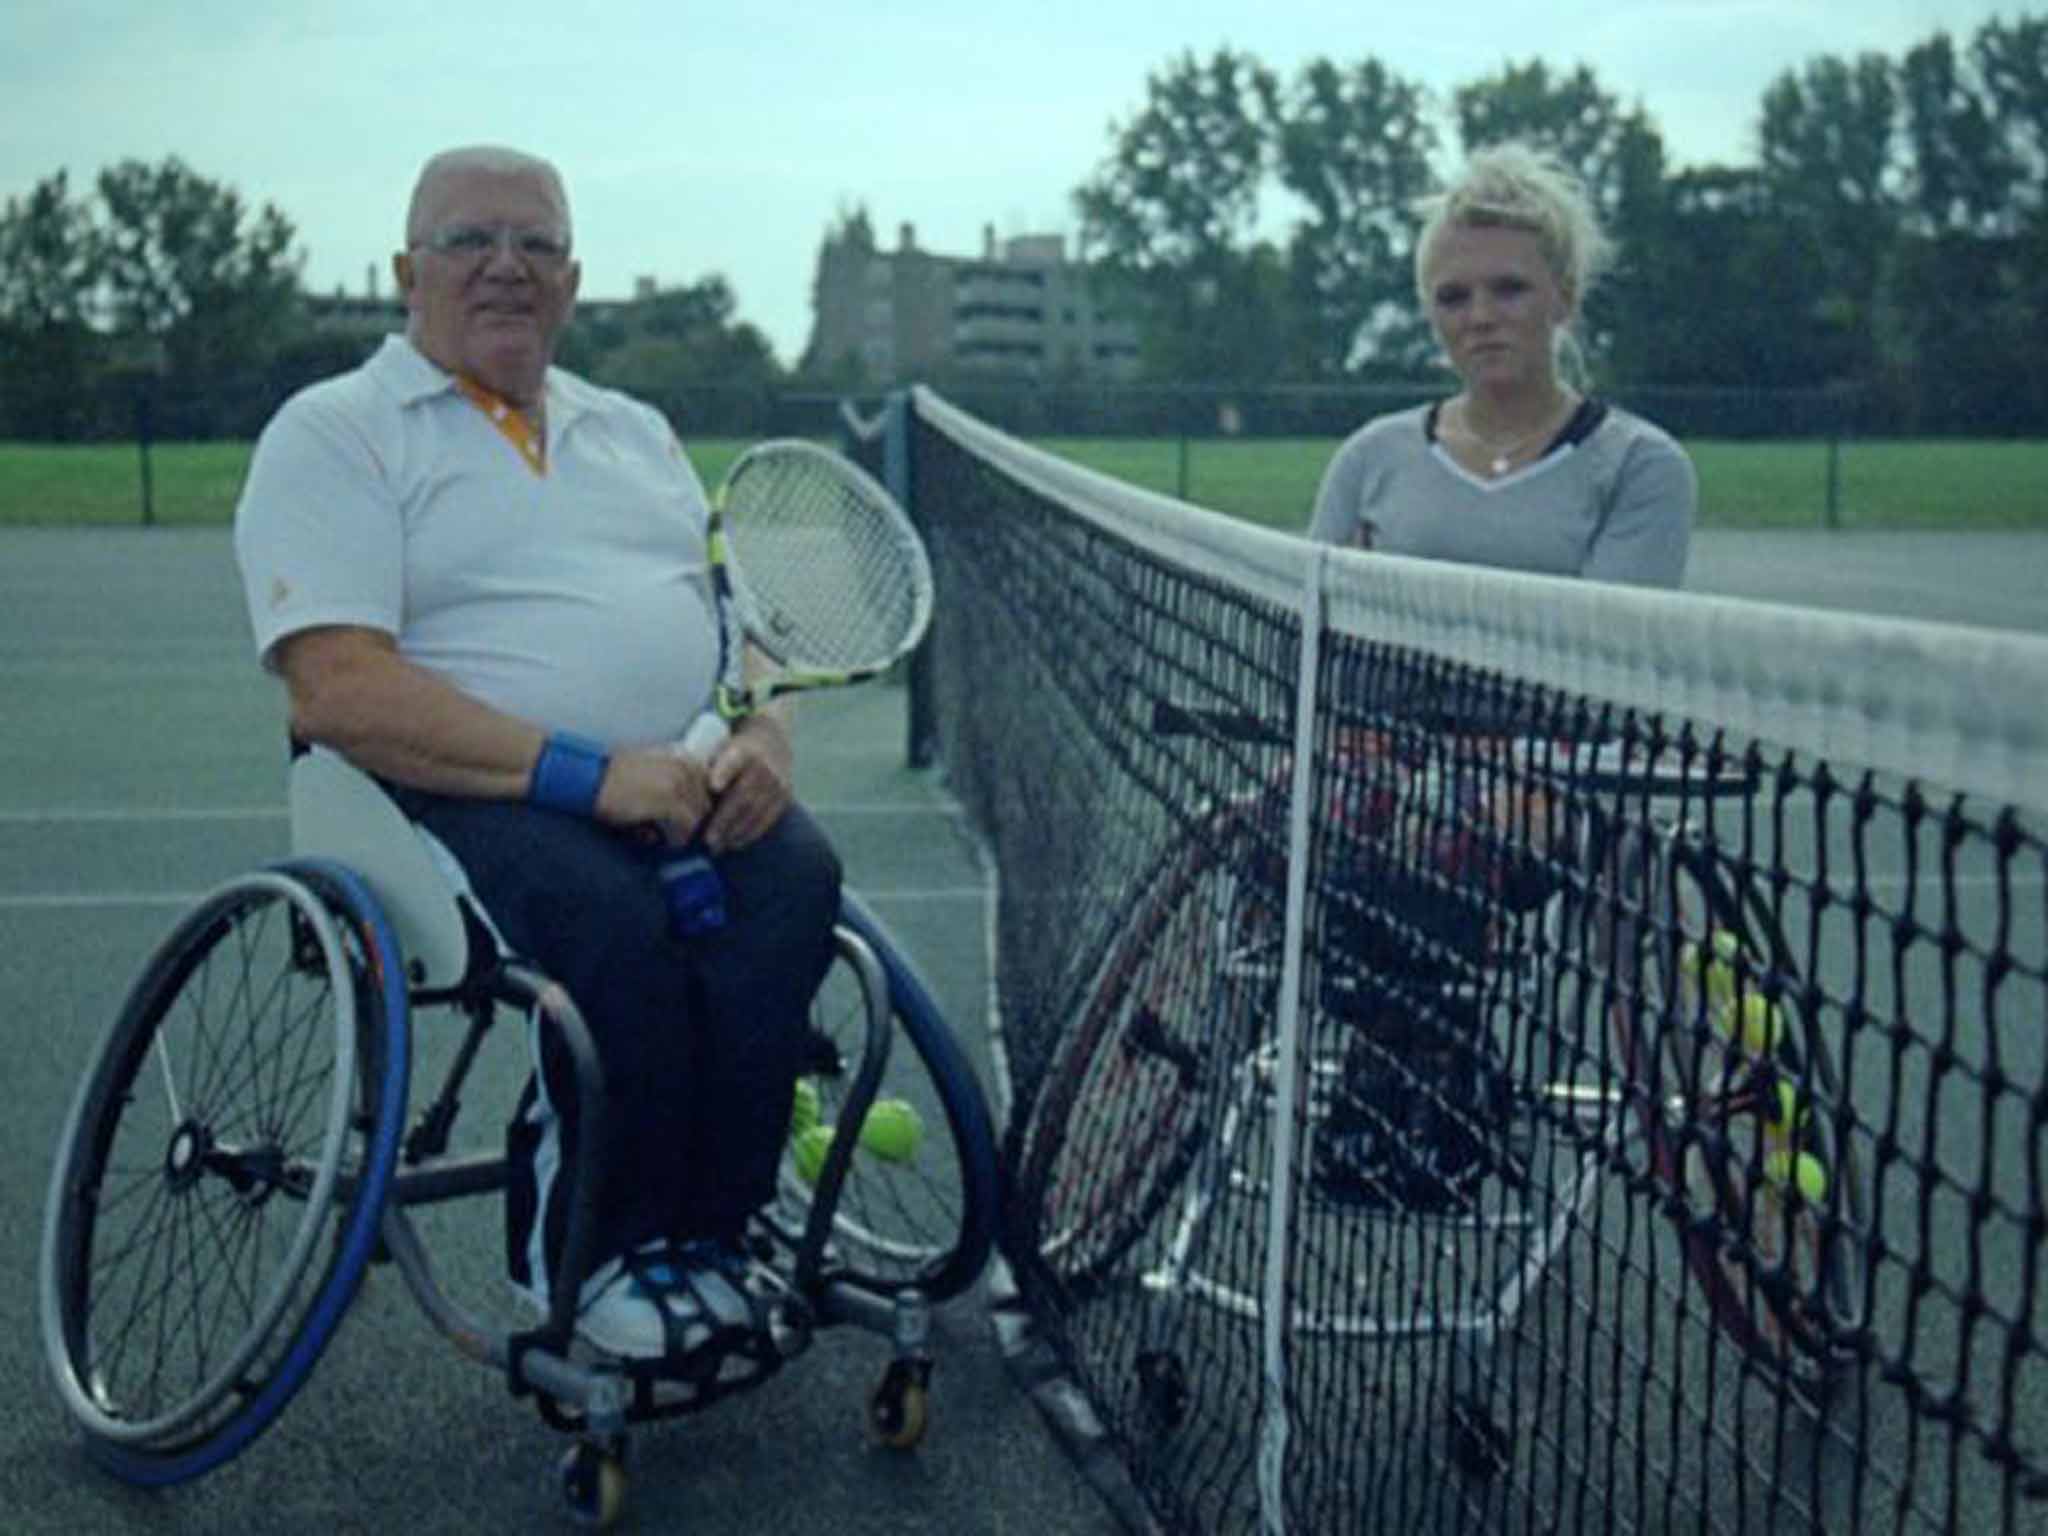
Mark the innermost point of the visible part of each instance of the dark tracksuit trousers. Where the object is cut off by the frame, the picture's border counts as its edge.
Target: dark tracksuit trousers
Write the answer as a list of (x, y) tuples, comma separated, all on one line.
[(699, 1038)]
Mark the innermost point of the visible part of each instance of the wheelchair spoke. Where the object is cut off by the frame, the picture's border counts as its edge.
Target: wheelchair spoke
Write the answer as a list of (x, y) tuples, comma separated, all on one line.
[(222, 1173)]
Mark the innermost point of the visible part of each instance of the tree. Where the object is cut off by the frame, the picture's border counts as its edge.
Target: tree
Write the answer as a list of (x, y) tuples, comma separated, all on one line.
[(1953, 309), (685, 351), (185, 266), (46, 279), (1828, 159), (1355, 147), (1960, 168), (1732, 307), (2011, 60), (1168, 218), (46, 259), (1571, 116)]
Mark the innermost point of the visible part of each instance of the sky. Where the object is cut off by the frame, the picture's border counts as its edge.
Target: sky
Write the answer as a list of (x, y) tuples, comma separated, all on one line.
[(702, 138)]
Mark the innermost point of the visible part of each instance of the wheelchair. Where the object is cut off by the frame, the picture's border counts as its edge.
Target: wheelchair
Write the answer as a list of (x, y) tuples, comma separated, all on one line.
[(240, 1152), (1484, 1041)]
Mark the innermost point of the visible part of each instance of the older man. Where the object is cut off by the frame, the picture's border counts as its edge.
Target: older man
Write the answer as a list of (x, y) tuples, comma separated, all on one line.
[(485, 581)]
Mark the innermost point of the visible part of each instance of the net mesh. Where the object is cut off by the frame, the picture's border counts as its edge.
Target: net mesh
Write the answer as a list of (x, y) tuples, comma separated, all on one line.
[(1492, 1053)]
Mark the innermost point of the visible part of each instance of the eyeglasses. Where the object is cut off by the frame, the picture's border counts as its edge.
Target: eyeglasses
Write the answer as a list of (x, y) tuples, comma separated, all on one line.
[(479, 242)]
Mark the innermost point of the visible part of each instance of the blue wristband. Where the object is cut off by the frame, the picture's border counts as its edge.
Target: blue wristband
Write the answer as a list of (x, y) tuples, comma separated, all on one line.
[(567, 774)]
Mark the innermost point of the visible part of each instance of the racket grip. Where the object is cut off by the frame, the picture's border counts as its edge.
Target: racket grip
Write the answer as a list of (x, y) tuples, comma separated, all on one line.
[(707, 733)]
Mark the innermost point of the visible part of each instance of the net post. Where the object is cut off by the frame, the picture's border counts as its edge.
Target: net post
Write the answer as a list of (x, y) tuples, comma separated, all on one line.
[(921, 730), (145, 431), (1277, 1297)]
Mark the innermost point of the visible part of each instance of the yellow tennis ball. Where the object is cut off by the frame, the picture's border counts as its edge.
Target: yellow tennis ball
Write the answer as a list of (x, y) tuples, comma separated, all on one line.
[(1720, 983), (892, 1131), (808, 1151), (1812, 1175), (1784, 1115), (803, 1107), (1803, 1172), (1762, 1024)]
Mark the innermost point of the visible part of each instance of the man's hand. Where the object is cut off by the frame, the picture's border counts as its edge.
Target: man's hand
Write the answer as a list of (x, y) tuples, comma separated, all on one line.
[(751, 781), (727, 802), (656, 787)]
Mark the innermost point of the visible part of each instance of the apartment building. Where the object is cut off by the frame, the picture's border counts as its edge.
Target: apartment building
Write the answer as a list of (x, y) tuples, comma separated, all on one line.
[(1020, 309)]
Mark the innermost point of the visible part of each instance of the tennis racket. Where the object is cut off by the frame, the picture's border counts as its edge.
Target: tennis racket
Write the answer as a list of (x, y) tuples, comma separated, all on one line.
[(815, 565)]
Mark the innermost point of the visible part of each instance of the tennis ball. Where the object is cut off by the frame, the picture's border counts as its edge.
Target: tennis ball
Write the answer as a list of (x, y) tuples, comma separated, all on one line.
[(1720, 983), (808, 1150), (892, 1131), (1784, 1114), (1803, 1171), (1689, 958), (803, 1107), (1762, 1023)]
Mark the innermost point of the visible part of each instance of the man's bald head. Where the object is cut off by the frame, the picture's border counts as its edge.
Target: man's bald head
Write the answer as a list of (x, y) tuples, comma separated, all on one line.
[(452, 166)]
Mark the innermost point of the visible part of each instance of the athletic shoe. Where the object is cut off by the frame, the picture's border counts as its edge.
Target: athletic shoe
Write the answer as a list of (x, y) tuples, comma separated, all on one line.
[(666, 1301)]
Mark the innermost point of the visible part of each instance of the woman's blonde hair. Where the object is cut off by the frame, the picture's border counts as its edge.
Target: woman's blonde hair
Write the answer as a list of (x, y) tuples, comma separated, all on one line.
[(1511, 186)]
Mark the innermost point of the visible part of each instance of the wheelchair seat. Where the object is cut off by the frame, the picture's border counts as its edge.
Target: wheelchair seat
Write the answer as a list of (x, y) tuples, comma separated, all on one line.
[(339, 812)]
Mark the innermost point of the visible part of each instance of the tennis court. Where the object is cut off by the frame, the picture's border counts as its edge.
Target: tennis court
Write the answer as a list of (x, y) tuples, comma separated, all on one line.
[(1563, 1285), (143, 762), (143, 759)]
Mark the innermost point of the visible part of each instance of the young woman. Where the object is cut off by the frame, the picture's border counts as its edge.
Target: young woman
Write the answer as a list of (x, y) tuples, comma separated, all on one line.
[(1520, 468)]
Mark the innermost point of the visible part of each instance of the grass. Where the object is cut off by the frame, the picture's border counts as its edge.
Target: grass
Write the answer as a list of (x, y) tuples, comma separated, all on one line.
[(76, 485), (80, 483), (1947, 483)]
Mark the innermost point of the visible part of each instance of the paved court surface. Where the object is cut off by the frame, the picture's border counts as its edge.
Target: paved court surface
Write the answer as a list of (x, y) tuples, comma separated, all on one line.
[(141, 761), (1997, 579)]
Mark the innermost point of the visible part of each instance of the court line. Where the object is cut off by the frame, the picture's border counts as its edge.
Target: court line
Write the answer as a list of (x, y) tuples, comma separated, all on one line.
[(90, 901), (57, 901), (121, 816)]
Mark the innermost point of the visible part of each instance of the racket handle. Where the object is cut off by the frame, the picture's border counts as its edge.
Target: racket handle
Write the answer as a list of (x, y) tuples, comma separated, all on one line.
[(694, 892), (707, 733)]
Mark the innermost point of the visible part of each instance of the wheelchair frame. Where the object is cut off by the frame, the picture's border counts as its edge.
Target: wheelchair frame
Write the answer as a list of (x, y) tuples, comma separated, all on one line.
[(1156, 1106), (317, 966)]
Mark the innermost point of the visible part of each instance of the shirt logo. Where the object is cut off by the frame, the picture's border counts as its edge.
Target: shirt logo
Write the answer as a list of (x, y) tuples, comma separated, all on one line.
[(280, 592)]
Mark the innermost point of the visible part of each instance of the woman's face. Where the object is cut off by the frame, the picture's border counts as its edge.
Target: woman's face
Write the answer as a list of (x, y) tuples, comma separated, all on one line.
[(1495, 304)]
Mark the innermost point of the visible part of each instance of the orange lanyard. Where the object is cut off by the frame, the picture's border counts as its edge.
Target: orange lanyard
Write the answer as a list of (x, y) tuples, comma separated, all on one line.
[(513, 424)]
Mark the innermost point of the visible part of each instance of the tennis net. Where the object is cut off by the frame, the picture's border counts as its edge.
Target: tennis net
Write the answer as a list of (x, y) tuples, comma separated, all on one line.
[(1497, 1053)]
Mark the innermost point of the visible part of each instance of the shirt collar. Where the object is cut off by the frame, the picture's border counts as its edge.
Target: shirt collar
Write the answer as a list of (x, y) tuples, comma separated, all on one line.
[(411, 377)]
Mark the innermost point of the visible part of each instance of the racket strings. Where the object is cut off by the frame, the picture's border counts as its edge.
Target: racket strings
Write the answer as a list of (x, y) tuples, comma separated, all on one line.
[(832, 581)]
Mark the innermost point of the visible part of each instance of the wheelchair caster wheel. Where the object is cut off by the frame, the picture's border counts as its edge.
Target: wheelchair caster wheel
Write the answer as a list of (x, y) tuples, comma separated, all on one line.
[(899, 1409), (789, 1331), (593, 1483)]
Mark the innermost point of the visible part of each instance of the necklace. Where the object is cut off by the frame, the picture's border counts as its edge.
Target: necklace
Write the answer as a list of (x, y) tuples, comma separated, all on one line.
[(1502, 455)]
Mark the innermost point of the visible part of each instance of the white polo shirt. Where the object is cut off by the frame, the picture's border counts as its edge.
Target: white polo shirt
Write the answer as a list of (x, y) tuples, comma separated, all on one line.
[(578, 599)]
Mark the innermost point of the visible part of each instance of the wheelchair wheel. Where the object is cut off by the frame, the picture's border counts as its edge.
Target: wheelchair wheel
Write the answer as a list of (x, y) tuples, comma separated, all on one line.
[(1116, 1126), (220, 1180), (918, 1206), (1748, 1125)]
